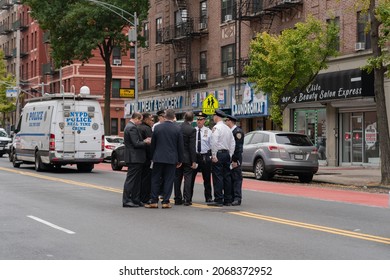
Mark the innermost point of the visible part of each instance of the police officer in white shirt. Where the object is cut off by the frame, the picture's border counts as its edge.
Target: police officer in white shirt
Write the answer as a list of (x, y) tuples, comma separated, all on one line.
[(222, 149), (203, 155)]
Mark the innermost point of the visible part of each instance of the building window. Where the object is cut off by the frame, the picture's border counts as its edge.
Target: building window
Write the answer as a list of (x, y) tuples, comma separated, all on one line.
[(116, 85), (228, 59), (228, 10), (180, 71), (203, 63), (362, 35), (146, 77), (114, 126), (123, 124), (132, 52), (116, 56), (132, 83), (203, 14), (146, 34), (181, 25), (159, 31), (159, 78), (336, 21)]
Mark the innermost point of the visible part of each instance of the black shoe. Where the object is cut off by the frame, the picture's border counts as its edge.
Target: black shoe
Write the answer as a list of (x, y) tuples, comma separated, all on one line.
[(130, 204), (236, 203), (187, 203), (227, 204), (215, 203), (141, 204), (178, 202), (209, 200)]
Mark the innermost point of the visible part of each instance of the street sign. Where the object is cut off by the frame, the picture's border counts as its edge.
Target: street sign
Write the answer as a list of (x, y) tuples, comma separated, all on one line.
[(11, 92), (210, 104), (126, 92)]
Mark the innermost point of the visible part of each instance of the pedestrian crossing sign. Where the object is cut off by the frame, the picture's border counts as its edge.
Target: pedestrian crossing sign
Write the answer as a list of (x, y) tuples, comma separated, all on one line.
[(210, 104)]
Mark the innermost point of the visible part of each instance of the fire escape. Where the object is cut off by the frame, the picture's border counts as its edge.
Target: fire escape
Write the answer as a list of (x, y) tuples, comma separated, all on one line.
[(259, 15), (180, 36)]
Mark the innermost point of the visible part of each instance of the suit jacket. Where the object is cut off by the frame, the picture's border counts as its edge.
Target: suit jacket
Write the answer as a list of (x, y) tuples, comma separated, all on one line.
[(167, 143), (146, 131), (189, 140), (135, 147)]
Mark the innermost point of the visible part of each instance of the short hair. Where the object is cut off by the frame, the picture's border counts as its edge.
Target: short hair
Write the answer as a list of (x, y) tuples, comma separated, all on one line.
[(136, 115), (146, 115), (189, 116), (170, 114)]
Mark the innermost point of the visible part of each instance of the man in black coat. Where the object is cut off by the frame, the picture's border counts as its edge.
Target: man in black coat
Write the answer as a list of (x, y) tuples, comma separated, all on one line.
[(145, 129), (236, 172), (135, 156), (189, 162), (167, 155)]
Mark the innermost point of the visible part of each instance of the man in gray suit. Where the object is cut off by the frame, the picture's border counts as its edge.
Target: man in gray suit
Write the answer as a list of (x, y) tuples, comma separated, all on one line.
[(135, 156), (167, 155)]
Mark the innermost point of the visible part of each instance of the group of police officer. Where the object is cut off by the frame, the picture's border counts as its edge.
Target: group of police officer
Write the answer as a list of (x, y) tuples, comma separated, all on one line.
[(220, 151)]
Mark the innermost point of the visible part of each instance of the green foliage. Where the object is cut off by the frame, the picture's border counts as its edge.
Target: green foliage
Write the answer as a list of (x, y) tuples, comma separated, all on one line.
[(282, 64), (6, 81)]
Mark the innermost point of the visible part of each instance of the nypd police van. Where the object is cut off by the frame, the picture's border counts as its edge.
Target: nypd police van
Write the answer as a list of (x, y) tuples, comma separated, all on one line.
[(60, 129)]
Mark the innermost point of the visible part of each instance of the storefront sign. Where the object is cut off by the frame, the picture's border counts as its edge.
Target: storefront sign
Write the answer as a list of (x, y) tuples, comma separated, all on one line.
[(335, 86), (126, 92), (370, 135), (154, 105), (253, 105)]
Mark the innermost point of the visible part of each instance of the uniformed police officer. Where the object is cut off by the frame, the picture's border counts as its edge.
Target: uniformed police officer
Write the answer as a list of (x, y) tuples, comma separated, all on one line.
[(236, 172), (222, 149)]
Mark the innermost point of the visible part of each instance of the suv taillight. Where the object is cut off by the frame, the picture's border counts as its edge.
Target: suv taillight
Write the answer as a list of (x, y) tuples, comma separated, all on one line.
[(102, 143), (273, 148), (52, 142)]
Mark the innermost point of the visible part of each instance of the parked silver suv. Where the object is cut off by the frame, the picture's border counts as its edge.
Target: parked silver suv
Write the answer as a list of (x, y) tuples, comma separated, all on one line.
[(267, 153)]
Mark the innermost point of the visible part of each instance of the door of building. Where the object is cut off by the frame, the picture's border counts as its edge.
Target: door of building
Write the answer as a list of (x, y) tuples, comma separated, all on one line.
[(357, 138)]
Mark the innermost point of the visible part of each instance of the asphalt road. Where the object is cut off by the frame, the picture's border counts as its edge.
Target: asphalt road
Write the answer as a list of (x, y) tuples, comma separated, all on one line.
[(66, 215)]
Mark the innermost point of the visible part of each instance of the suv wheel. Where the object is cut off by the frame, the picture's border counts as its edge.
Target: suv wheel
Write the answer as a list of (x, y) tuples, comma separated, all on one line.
[(305, 178), (259, 170)]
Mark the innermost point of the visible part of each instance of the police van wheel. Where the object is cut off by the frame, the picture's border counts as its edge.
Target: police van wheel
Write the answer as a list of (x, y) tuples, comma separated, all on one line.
[(85, 167), (39, 165), (14, 161)]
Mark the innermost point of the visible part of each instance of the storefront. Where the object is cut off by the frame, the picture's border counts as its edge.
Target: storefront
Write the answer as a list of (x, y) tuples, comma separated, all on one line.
[(337, 111)]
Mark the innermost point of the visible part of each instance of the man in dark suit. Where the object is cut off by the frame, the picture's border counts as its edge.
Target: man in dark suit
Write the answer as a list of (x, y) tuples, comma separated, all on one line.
[(145, 129), (135, 156), (167, 155), (189, 162), (236, 172)]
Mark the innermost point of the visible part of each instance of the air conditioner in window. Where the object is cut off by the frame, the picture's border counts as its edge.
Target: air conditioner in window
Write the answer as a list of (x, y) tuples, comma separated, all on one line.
[(230, 70), (202, 77), (360, 46), (117, 61), (228, 17), (287, 1), (202, 25)]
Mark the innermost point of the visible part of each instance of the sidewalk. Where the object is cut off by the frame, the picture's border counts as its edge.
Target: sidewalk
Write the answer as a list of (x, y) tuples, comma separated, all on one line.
[(349, 175)]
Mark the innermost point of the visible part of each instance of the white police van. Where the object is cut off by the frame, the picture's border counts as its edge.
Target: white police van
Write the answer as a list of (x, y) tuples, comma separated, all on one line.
[(59, 129)]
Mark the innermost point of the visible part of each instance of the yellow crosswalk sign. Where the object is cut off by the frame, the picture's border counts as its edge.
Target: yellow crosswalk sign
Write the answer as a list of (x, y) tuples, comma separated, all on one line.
[(210, 104)]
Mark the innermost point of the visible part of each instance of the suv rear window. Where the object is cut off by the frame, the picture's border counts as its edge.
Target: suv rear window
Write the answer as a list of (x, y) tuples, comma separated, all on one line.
[(293, 139)]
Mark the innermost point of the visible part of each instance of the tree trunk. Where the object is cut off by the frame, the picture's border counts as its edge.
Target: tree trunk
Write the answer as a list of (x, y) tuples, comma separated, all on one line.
[(382, 121)]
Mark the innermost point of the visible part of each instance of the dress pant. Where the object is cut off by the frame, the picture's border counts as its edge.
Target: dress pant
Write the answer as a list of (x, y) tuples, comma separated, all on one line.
[(132, 185), (146, 177), (204, 166), (162, 173), (185, 171), (236, 174), (222, 178)]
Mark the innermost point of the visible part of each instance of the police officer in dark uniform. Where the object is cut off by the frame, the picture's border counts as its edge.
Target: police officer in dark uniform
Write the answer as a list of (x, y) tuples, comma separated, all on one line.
[(236, 172)]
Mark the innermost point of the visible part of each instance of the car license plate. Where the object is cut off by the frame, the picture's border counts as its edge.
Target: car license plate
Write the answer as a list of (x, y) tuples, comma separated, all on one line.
[(298, 157)]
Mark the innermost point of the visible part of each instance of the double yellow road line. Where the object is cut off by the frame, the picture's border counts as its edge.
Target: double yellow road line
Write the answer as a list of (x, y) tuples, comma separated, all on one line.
[(346, 233)]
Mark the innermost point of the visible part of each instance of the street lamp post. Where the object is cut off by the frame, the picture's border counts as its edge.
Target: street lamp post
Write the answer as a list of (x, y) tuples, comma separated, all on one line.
[(132, 38)]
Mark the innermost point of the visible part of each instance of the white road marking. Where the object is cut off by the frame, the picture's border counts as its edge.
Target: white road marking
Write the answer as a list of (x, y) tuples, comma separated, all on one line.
[(51, 225)]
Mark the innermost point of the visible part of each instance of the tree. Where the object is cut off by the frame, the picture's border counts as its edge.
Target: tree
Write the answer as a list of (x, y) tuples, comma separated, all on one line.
[(7, 105), (379, 63), (282, 64), (79, 27)]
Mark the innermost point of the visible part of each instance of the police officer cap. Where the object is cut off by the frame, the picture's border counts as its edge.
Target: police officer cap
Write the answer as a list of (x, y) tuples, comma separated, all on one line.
[(200, 115), (230, 117), (161, 113), (220, 113)]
